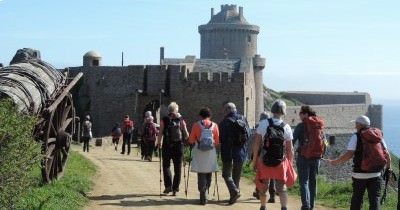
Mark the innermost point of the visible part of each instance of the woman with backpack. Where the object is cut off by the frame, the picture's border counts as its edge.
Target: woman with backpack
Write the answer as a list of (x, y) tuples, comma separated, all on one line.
[(204, 138), (173, 133), (116, 133), (276, 158), (149, 133)]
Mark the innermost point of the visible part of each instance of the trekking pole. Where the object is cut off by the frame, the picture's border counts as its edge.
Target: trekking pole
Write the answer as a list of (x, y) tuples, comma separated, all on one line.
[(216, 183), (187, 180), (159, 152), (139, 148), (214, 189), (386, 176), (184, 171)]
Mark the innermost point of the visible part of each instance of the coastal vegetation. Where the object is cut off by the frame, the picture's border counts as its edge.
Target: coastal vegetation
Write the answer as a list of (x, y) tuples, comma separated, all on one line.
[(67, 193), (19, 154)]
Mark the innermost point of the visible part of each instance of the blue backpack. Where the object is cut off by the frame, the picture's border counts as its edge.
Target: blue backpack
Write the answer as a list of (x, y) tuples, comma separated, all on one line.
[(206, 141)]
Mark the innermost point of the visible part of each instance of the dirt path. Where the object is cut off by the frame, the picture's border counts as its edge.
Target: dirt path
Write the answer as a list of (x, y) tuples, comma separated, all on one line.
[(126, 182)]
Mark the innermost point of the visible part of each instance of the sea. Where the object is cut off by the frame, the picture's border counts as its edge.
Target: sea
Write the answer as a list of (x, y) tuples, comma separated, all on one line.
[(391, 126)]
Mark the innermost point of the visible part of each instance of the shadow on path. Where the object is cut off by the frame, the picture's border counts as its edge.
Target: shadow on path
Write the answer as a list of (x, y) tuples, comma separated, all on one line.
[(148, 200)]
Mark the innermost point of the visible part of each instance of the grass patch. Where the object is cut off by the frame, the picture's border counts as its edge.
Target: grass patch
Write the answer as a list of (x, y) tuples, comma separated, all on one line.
[(67, 193), (334, 195)]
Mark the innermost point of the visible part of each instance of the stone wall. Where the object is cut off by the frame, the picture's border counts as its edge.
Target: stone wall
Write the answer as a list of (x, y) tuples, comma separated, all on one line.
[(338, 117), (109, 93), (323, 98)]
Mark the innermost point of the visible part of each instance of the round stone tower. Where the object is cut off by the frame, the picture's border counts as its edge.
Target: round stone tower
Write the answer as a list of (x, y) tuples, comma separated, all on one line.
[(92, 58), (228, 35)]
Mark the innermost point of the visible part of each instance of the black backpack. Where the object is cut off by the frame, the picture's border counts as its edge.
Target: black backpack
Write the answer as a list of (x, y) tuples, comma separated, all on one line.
[(241, 129), (173, 130), (274, 144)]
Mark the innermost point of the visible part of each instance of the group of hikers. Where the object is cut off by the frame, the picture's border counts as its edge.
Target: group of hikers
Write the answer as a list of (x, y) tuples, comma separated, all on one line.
[(148, 135), (272, 158)]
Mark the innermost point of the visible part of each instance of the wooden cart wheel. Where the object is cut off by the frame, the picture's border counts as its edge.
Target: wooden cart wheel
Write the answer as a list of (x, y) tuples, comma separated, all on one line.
[(60, 128)]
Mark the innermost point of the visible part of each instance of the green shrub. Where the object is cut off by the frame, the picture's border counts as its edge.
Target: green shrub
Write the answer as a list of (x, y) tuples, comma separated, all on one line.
[(334, 195), (19, 153), (67, 193)]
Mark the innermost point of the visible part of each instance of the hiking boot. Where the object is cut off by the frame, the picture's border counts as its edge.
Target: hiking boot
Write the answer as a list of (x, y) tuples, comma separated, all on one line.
[(174, 193), (263, 208), (167, 190), (283, 208), (148, 158), (271, 200), (234, 198), (203, 202), (122, 153), (256, 195)]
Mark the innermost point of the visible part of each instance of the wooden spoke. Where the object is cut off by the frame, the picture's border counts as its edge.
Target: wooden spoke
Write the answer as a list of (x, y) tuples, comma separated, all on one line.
[(60, 128)]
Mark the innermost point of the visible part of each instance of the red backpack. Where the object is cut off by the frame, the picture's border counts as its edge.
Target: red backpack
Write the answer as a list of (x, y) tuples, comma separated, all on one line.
[(149, 134), (314, 138), (374, 157)]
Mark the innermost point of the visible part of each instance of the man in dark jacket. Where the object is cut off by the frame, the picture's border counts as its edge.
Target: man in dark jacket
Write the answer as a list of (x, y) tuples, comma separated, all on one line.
[(233, 154)]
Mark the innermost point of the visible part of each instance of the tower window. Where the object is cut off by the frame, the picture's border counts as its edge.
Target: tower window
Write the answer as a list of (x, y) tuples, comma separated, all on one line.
[(95, 62), (249, 38)]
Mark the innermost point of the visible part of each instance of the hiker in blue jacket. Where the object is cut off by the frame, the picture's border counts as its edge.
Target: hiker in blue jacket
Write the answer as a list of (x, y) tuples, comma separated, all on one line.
[(233, 153)]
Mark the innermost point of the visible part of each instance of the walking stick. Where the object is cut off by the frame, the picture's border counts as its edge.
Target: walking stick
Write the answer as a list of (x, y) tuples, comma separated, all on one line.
[(216, 184), (159, 152), (139, 148), (184, 171), (187, 180), (386, 176)]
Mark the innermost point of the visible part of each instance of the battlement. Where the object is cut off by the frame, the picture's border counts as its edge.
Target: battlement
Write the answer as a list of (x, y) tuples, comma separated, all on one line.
[(216, 77), (228, 14), (228, 7)]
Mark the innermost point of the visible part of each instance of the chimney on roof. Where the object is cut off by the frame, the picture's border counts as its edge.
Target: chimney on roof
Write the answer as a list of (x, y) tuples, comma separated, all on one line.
[(122, 59), (161, 55)]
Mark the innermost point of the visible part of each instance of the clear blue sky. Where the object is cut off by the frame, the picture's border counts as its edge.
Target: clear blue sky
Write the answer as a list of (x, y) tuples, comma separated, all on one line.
[(309, 45)]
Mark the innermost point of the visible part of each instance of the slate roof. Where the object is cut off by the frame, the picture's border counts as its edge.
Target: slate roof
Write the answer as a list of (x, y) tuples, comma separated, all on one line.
[(207, 65)]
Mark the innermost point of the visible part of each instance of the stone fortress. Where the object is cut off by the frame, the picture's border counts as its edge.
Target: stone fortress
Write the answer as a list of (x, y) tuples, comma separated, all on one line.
[(229, 69)]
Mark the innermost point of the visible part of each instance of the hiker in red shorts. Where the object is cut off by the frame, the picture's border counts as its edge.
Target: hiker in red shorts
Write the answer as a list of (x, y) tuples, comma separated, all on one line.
[(276, 156)]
